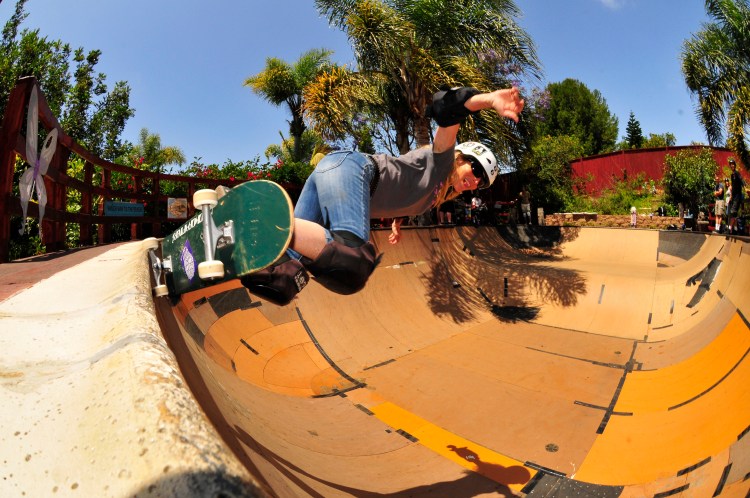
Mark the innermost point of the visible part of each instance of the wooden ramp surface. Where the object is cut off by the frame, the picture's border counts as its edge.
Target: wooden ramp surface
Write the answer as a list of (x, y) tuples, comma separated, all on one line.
[(612, 363)]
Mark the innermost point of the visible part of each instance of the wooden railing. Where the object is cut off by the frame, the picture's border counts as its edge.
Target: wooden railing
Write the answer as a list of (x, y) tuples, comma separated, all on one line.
[(95, 188)]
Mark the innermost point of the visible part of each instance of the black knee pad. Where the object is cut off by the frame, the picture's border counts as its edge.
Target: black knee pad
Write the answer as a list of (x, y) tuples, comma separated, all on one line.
[(278, 283), (344, 264)]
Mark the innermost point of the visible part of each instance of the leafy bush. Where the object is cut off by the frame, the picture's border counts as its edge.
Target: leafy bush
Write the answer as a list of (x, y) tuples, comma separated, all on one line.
[(619, 198), (689, 178), (623, 195), (279, 171)]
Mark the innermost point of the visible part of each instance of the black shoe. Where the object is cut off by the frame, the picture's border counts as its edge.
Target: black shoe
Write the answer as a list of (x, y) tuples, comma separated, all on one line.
[(278, 283)]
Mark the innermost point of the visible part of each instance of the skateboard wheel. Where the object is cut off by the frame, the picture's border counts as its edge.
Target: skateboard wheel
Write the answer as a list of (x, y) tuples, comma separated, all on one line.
[(205, 197), (150, 243), (161, 290), (211, 269)]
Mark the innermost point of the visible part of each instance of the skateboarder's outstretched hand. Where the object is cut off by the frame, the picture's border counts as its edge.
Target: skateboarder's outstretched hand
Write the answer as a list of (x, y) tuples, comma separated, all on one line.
[(507, 102), (395, 235)]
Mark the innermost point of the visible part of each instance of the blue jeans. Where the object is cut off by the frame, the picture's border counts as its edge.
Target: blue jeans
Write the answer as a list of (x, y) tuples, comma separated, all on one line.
[(337, 195)]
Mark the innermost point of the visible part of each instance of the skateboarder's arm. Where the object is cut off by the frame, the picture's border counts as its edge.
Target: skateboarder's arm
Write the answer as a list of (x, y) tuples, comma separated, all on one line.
[(507, 103)]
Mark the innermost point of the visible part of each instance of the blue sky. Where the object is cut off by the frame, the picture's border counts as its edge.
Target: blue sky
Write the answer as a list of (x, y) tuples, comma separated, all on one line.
[(186, 60)]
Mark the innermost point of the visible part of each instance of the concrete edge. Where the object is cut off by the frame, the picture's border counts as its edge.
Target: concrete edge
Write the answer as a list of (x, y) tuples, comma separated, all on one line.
[(94, 402)]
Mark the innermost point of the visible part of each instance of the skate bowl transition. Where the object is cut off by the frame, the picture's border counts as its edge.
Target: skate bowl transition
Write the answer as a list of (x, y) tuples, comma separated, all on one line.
[(547, 361), (611, 363)]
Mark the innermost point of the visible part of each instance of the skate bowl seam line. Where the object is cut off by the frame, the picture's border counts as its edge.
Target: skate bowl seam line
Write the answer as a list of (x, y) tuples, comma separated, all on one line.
[(544, 470), (743, 433), (577, 358), (672, 492), (712, 387), (723, 480), (687, 470), (356, 384), (611, 408), (248, 346), (602, 408)]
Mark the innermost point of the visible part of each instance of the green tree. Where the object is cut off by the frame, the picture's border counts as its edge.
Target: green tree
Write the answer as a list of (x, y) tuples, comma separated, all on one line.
[(86, 87), (107, 123), (652, 141), (633, 133), (283, 83), (716, 67), (575, 110), (689, 178), (548, 171), (662, 140), (406, 50), (27, 53), (88, 112)]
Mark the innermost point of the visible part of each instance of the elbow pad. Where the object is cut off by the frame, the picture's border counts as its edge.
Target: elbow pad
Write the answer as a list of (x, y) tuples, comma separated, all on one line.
[(448, 108)]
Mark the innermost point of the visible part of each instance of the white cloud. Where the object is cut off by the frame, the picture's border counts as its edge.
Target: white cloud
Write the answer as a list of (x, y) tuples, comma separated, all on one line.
[(613, 4)]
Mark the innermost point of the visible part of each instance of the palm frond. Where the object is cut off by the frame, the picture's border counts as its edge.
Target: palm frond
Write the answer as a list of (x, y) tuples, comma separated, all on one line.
[(716, 68), (275, 83), (332, 99)]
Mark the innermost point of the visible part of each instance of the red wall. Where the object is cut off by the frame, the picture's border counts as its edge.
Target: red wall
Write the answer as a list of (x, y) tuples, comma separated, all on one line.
[(600, 172)]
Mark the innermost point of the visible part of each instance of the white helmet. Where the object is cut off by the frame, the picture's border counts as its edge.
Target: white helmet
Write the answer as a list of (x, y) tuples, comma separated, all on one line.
[(483, 157)]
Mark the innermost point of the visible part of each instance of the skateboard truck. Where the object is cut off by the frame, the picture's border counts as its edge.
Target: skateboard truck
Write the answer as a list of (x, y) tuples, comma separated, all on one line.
[(157, 265), (213, 237), (227, 237)]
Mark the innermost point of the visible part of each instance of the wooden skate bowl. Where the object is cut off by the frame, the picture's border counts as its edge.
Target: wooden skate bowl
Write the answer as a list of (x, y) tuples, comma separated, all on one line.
[(613, 363)]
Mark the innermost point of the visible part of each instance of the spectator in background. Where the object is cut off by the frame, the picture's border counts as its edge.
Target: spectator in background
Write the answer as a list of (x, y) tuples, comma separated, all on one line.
[(719, 203), (445, 213), (738, 193), (525, 199)]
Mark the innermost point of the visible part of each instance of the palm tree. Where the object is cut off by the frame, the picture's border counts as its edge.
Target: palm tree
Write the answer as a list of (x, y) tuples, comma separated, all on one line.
[(406, 50), (150, 152), (282, 83), (716, 67)]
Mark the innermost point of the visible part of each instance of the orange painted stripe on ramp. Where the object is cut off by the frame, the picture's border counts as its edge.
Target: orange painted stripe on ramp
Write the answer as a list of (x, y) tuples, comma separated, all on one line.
[(649, 445), (472, 456), (671, 386)]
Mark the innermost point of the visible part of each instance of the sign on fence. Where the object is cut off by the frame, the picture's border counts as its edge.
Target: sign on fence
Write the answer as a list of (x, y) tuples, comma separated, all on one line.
[(177, 208), (117, 208)]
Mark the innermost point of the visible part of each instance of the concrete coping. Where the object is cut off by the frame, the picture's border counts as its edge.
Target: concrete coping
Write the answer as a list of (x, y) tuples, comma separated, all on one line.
[(93, 400)]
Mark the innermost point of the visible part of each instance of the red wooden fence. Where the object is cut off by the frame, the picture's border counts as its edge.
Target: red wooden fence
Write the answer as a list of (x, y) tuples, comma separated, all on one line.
[(600, 172)]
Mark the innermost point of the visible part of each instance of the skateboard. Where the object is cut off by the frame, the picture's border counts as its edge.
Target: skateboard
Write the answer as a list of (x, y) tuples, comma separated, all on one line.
[(242, 232)]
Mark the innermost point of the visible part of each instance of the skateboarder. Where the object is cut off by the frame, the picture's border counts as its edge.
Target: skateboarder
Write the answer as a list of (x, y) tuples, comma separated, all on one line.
[(346, 189)]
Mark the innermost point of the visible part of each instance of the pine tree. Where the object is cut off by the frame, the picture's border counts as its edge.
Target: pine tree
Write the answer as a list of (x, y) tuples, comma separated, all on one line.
[(634, 136)]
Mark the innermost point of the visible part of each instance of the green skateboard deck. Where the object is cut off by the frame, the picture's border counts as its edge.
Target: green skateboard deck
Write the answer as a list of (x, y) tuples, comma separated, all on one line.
[(248, 229)]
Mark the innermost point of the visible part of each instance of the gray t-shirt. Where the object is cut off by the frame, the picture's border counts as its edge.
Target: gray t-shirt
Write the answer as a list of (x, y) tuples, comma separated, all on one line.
[(409, 184)]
